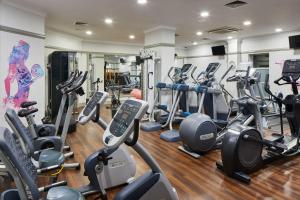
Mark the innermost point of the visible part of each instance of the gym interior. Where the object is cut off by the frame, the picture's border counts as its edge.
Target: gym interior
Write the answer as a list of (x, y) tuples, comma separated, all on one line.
[(149, 99)]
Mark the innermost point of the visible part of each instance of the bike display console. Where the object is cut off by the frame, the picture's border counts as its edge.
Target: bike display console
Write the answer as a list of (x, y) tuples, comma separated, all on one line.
[(90, 109), (122, 124)]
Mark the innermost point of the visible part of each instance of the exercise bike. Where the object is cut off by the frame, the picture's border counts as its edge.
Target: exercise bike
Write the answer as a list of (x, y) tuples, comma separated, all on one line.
[(151, 185), (245, 149), (120, 169)]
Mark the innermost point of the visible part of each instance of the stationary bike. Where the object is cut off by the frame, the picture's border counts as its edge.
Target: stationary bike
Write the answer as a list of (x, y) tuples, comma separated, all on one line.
[(242, 150), (119, 170), (46, 129), (151, 185)]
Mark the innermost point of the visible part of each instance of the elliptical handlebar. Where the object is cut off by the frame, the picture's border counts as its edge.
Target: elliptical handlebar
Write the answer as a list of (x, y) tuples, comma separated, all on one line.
[(77, 83), (277, 81), (267, 89), (69, 81), (226, 73), (169, 74), (192, 74)]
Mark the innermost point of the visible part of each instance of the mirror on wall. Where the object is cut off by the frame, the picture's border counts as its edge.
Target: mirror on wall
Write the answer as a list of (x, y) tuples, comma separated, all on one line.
[(122, 74), (261, 65), (118, 75)]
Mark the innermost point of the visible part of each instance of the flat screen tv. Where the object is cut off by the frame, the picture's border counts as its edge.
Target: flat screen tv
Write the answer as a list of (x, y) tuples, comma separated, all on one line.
[(294, 42), (218, 50)]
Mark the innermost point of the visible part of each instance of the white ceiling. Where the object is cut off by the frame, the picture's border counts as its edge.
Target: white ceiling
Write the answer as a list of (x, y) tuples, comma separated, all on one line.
[(184, 15)]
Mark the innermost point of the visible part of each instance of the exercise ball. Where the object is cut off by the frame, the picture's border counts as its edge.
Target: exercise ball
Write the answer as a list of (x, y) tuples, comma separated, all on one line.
[(136, 93)]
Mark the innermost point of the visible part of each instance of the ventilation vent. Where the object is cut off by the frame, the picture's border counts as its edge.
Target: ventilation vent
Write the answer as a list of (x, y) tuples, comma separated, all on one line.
[(205, 39), (79, 23), (236, 4), (79, 26), (224, 30)]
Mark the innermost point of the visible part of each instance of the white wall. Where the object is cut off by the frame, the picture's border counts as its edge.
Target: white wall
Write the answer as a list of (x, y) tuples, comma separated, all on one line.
[(103, 47), (58, 40), (277, 45), (201, 56), (21, 18)]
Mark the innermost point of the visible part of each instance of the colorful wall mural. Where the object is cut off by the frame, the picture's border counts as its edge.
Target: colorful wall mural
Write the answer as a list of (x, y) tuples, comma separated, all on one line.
[(18, 73)]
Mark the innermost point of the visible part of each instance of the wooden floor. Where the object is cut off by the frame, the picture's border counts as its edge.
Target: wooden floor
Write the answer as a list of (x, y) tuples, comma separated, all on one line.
[(193, 179)]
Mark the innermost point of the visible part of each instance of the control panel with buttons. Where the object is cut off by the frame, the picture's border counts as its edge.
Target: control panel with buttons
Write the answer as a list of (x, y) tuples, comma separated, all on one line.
[(89, 110), (121, 126)]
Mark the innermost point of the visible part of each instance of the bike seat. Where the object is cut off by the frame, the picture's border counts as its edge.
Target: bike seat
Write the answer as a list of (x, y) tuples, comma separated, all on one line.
[(26, 112), (27, 104), (50, 157), (64, 192)]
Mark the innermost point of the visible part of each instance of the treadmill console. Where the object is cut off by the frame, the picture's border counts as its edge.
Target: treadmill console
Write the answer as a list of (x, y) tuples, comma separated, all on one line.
[(121, 126), (89, 110)]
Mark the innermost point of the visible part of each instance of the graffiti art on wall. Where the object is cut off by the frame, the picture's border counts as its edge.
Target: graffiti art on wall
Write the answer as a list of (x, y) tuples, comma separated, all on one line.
[(20, 74)]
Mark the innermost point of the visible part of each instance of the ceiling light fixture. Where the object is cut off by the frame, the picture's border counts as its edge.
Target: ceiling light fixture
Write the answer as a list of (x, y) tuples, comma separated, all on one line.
[(142, 2), (204, 14), (247, 23), (108, 21), (89, 32), (278, 30), (195, 43), (132, 37), (199, 33), (229, 37)]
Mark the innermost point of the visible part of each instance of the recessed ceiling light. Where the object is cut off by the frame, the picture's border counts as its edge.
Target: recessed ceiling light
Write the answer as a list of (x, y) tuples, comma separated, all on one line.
[(195, 43), (108, 21), (229, 37), (199, 33), (278, 30), (142, 2), (89, 32), (132, 37), (204, 14), (247, 23)]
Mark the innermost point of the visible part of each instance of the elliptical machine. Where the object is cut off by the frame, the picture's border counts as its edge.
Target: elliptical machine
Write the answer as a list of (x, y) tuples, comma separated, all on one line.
[(242, 150), (201, 134), (181, 95), (157, 120)]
